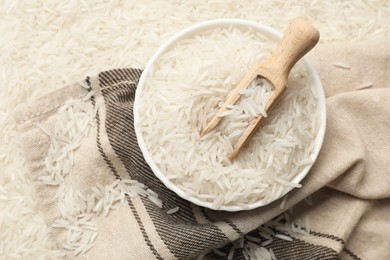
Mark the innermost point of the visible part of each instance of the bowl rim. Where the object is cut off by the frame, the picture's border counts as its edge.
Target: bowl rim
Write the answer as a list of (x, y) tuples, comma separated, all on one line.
[(273, 35)]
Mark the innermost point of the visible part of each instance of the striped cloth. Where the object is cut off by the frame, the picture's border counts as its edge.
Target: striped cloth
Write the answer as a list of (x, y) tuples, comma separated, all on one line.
[(349, 184)]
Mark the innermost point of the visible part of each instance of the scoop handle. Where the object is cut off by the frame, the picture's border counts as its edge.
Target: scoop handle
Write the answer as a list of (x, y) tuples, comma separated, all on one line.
[(298, 39)]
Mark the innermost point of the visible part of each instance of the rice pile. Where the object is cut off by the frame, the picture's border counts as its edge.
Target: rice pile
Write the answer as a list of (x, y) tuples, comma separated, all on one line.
[(256, 244), (186, 87), (79, 209)]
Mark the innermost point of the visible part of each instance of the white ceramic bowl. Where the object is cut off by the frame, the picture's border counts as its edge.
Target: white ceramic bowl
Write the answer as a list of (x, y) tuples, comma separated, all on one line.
[(188, 32)]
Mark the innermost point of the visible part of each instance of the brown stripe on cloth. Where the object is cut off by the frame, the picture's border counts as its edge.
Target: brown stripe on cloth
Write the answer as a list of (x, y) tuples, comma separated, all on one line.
[(141, 224), (98, 133), (283, 250), (103, 148), (228, 222), (238, 255), (341, 241), (181, 233), (203, 218), (300, 250), (183, 239), (119, 128)]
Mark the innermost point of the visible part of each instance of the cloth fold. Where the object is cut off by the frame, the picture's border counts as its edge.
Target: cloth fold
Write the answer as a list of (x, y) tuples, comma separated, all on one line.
[(348, 187)]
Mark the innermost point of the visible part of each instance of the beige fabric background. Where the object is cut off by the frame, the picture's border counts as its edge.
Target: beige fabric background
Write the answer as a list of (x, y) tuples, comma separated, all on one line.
[(356, 151)]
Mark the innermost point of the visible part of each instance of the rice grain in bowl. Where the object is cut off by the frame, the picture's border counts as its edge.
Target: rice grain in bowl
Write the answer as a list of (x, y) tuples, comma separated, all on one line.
[(180, 91)]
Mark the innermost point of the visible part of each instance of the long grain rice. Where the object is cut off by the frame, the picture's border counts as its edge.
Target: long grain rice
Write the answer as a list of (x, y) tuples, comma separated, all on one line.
[(341, 64), (279, 150), (283, 237), (79, 210)]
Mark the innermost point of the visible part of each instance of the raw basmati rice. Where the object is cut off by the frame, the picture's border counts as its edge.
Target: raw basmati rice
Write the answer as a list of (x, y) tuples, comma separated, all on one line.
[(174, 210), (342, 65), (271, 252), (284, 224), (265, 235), (267, 242), (254, 251), (256, 244), (365, 85), (284, 237), (190, 81), (231, 253), (78, 210), (283, 203), (217, 252), (253, 239)]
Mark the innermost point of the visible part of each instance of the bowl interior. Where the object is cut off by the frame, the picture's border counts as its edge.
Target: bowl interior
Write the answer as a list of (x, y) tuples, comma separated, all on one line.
[(188, 32)]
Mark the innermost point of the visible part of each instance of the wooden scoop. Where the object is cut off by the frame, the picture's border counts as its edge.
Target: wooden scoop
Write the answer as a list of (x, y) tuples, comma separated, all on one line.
[(298, 39)]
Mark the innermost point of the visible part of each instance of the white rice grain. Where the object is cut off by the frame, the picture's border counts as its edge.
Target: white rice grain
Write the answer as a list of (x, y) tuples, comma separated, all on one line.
[(365, 85), (78, 210), (231, 253), (219, 253), (341, 64), (283, 237), (253, 239), (283, 203), (174, 210)]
